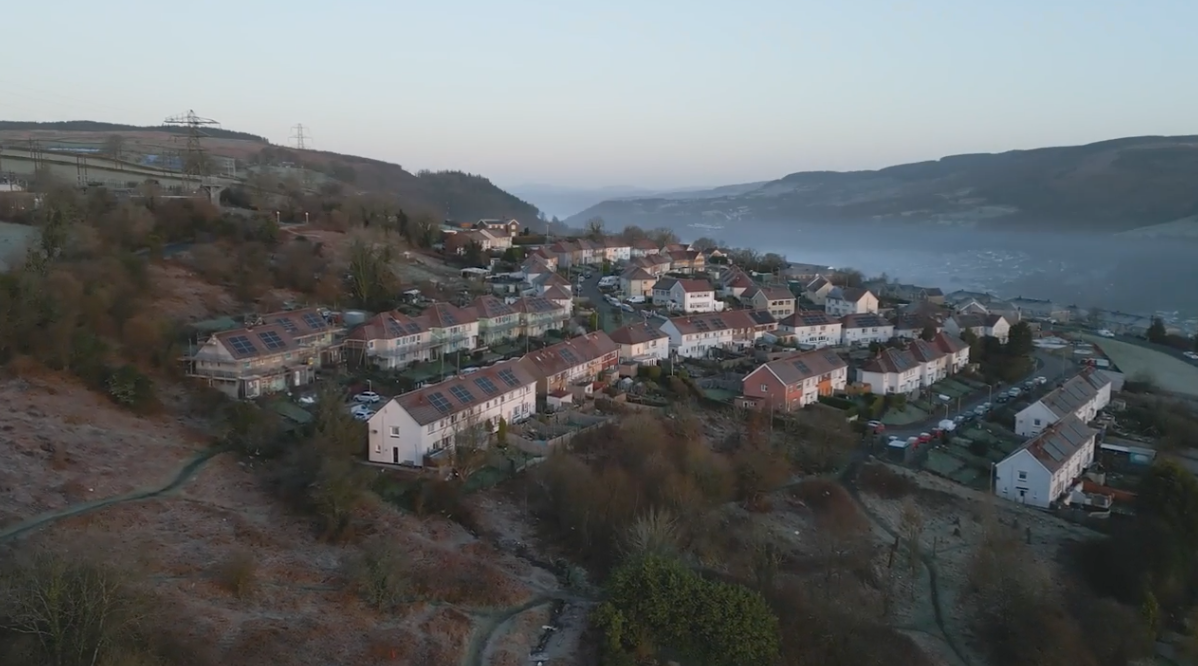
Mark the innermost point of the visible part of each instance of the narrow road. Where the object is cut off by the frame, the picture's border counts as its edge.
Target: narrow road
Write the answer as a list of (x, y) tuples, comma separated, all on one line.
[(1052, 367), (185, 474)]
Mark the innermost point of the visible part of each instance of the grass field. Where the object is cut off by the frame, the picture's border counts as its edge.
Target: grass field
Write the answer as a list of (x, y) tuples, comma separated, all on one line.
[(1167, 372)]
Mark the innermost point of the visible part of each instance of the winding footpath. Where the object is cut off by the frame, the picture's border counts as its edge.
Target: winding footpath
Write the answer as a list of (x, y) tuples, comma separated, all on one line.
[(185, 474), (847, 480)]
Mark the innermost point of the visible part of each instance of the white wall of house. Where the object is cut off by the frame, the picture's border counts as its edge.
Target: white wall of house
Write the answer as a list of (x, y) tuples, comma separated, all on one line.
[(882, 383), (1021, 478), (826, 335), (838, 307), (693, 301), (394, 437), (696, 345), (399, 352), (1033, 419), (864, 336), (650, 351), (933, 371), (1001, 330)]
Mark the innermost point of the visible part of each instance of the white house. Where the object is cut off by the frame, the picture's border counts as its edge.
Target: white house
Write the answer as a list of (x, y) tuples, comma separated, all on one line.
[(845, 301), (1082, 396), (779, 301), (641, 343), (818, 289), (920, 365), (892, 371), (429, 422), (695, 336), (955, 351), (734, 282), (685, 295), (636, 281), (981, 325), (862, 329), (1045, 467), (811, 328), (616, 250), (389, 340)]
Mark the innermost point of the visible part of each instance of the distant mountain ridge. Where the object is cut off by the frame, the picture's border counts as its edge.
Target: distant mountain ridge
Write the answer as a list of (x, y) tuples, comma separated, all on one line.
[(1109, 186), (568, 201)]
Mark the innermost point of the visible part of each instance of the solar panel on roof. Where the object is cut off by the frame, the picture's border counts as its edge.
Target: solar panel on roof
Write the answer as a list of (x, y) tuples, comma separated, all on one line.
[(802, 367), (448, 317), (568, 355), (508, 377), (271, 340), (412, 328), (439, 402), (394, 328), (462, 393), (314, 321), (486, 385), (287, 324), (242, 345)]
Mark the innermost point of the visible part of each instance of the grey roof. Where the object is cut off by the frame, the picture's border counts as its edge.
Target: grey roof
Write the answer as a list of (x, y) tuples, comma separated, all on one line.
[(866, 320), (794, 369), (1071, 395), (891, 361), (804, 318), (1059, 442)]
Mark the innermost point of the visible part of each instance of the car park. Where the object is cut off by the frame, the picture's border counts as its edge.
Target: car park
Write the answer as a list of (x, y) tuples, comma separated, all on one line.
[(368, 397)]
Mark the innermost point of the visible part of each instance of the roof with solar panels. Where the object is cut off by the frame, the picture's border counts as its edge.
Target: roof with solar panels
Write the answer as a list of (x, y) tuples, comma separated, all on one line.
[(273, 333), (714, 322), (556, 359), (794, 369), (460, 393), (1059, 442), (387, 326)]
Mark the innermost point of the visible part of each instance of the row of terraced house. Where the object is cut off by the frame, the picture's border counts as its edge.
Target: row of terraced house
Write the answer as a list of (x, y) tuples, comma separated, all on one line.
[(284, 350)]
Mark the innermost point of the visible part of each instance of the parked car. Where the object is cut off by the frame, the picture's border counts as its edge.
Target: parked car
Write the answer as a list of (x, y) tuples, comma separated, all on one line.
[(368, 397), (876, 426), (361, 412), (960, 418), (469, 371), (925, 437), (306, 400), (1041, 380), (1002, 399), (1193, 356)]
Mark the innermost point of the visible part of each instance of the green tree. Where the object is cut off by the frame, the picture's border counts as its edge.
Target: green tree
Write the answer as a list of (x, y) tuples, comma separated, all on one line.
[(474, 254), (1157, 332), (1020, 340), (501, 433), (594, 321), (1169, 493), (928, 332), (658, 602)]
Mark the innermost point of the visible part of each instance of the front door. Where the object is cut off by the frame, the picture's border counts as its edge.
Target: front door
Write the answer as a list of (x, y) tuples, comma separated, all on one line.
[(395, 455)]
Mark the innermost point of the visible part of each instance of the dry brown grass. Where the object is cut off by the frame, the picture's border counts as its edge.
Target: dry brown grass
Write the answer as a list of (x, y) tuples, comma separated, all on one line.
[(884, 482)]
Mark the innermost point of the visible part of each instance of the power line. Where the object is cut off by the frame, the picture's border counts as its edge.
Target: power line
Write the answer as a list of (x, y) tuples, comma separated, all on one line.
[(300, 137)]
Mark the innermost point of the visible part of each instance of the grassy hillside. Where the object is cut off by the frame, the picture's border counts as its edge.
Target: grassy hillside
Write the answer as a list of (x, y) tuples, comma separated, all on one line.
[(447, 194)]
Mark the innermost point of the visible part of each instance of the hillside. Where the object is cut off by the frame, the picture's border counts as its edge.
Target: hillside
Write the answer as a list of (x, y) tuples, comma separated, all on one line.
[(449, 194), (1109, 186)]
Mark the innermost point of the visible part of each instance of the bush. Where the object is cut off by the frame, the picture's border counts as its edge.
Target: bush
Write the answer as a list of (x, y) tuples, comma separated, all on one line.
[(380, 576), (655, 602)]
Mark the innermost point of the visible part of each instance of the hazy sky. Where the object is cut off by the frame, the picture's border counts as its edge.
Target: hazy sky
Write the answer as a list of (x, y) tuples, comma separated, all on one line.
[(656, 93)]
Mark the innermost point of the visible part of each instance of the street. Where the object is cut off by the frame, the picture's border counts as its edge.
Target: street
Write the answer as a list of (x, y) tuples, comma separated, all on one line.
[(607, 312), (1050, 366)]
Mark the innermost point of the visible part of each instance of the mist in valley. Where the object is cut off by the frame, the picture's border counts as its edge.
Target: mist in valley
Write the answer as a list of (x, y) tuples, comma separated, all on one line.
[(1114, 273)]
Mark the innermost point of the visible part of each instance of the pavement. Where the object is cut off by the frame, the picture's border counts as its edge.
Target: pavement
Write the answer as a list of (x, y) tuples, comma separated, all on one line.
[(1052, 367)]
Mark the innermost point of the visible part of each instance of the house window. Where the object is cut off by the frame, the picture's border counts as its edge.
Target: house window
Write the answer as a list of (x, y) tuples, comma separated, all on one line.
[(764, 388), (1037, 421), (395, 431), (1023, 476)]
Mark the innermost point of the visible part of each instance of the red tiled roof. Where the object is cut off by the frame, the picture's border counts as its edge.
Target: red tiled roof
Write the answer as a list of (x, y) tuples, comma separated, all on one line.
[(794, 369), (473, 389), (555, 359), (635, 334)]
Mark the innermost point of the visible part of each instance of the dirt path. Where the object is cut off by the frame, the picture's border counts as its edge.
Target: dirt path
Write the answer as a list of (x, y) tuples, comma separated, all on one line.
[(185, 474), (847, 480), (490, 624)]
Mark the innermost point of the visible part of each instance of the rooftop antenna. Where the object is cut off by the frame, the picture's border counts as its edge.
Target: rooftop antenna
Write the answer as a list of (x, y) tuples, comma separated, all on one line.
[(195, 162)]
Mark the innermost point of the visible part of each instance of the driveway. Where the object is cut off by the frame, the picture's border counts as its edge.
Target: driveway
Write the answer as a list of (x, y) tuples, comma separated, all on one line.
[(1054, 368)]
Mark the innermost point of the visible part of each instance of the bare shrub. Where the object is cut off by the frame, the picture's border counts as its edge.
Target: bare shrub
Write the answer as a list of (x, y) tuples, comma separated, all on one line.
[(653, 533), (238, 574), (380, 576), (831, 504)]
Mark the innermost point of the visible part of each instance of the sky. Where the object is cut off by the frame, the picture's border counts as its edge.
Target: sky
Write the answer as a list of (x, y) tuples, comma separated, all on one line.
[(657, 93)]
